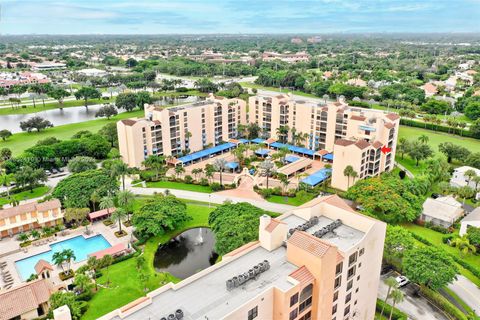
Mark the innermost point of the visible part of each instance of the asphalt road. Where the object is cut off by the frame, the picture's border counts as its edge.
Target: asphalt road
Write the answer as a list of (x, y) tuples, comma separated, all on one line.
[(416, 307), (468, 292)]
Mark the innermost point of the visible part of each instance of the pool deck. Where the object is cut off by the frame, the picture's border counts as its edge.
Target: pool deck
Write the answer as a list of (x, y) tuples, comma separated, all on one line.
[(12, 245)]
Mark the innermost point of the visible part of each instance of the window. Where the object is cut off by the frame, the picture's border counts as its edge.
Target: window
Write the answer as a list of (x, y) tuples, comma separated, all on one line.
[(348, 298), (306, 292), (306, 316), (347, 311), (349, 284), (334, 309), (361, 252), (352, 259), (356, 290), (305, 304), (335, 296), (253, 313), (338, 282), (293, 299), (293, 314), (339, 268), (351, 272)]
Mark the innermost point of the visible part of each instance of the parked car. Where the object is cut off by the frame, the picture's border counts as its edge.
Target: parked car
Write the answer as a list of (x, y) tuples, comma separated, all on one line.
[(54, 171), (436, 195), (48, 173), (60, 169), (402, 281)]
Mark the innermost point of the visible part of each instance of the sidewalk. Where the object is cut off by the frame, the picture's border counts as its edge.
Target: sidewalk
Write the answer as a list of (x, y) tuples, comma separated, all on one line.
[(468, 292), (213, 198)]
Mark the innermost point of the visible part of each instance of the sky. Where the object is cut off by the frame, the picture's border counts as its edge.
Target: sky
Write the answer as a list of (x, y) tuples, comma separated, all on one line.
[(240, 16)]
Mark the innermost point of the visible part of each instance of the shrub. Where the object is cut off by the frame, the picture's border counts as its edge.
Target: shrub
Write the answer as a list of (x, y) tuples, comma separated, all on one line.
[(119, 234), (63, 276), (266, 193), (396, 314), (83, 305), (442, 303), (147, 175), (447, 238), (434, 227), (188, 179), (107, 222), (429, 126), (204, 182), (216, 186)]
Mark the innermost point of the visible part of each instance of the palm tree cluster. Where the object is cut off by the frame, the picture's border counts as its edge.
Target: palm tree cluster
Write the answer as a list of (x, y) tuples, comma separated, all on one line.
[(393, 293)]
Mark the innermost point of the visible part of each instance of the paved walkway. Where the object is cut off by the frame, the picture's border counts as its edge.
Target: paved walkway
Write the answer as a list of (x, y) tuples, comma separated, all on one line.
[(214, 198), (244, 190), (468, 292)]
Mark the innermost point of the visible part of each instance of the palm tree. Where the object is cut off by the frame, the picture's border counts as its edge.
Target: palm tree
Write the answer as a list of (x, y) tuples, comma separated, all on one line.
[(464, 245), (220, 165), (69, 256), (119, 168), (476, 180), (267, 167), (423, 138), (282, 133), (397, 297), (94, 198), (64, 259), (155, 163), (23, 237), (119, 214), (35, 234), (82, 283), (107, 202), (347, 172), (106, 262), (178, 171), (93, 264), (284, 180), (391, 283), (58, 259), (124, 200), (282, 152), (470, 173)]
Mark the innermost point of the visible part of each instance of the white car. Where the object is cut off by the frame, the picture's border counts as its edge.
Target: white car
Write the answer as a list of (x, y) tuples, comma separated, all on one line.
[(402, 281)]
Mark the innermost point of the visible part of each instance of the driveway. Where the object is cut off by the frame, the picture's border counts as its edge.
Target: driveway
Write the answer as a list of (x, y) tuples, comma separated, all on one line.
[(214, 198), (416, 307), (468, 292)]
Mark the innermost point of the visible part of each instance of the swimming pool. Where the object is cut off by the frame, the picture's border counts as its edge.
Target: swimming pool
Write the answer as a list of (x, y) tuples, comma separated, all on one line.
[(81, 247)]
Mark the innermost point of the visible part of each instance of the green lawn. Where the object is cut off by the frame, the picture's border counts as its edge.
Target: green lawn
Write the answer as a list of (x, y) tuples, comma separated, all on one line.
[(435, 138), (436, 238), (293, 201), (21, 141), (24, 195), (126, 286), (179, 186), (48, 106)]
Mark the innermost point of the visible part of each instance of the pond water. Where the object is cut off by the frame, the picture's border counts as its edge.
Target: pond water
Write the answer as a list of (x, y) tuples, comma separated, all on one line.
[(73, 114), (187, 254)]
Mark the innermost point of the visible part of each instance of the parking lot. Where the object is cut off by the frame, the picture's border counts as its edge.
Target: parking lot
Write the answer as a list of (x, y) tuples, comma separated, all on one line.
[(414, 305)]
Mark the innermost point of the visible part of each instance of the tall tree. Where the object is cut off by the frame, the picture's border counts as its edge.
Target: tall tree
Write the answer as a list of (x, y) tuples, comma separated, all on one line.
[(87, 93), (29, 177), (156, 164), (35, 122), (118, 215), (267, 167), (220, 165)]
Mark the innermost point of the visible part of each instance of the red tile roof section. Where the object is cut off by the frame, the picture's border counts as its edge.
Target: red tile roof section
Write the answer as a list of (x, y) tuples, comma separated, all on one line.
[(42, 265), (128, 122), (362, 144), (344, 142), (30, 207), (273, 224), (302, 275), (309, 243), (116, 249), (393, 116), (101, 213), (358, 118), (389, 125)]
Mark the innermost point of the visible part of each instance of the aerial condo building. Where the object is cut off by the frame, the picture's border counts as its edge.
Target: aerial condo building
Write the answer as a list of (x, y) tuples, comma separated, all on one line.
[(319, 261), (364, 139)]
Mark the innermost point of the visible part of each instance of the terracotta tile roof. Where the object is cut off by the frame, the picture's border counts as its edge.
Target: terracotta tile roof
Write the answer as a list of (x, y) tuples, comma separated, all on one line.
[(362, 144), (157, 122), (393, 116), (323, 152), (302, 275), (271, 140), (116, 249), (219, 97), (128, 122), (377, 144), (101, 213), (429, 87), (358, 118), (273, 224), (344, 142), (333, 200), (280, 96), (309, 243), (42, 265), (389, 125), (24, 298), (30, 207), (234, 141)]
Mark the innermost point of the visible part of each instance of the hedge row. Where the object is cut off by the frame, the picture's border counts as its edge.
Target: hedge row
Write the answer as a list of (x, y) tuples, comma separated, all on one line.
[(396, 314), (441, 302), (440, 128)]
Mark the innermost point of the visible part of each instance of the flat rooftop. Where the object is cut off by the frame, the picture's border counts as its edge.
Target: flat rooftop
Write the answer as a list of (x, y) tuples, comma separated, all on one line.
[(191, 105), (344, 237), (208, 297)]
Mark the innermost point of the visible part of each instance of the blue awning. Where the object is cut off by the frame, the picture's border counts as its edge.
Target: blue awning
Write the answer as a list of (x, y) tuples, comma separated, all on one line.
[(328, 156), (291, 159), (292, 148), (243, 140), (258, 140), (262, 152), (232, 165), (317, 177), (207, 152)]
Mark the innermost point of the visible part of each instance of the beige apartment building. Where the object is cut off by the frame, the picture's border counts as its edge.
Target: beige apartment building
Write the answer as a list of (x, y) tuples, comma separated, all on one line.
[(319, 261), (30, 216), (169, 131), (354, 135)]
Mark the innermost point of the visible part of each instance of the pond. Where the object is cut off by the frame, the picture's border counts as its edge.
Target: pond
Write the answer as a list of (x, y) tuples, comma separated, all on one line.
[(74, 114), (187, 254)]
